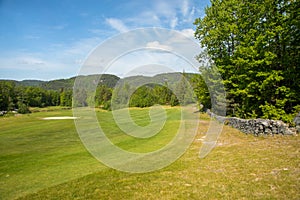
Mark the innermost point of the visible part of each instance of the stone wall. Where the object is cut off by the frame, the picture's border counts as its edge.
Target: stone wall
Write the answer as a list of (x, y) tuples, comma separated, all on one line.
[(256, 126), (297, 122)]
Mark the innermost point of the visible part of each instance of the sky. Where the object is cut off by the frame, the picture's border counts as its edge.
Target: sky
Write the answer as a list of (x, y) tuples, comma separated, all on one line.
[(46, 40)]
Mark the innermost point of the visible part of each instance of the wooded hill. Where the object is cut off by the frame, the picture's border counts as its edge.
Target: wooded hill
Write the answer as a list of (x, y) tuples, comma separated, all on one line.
[(146, 91), (66, 84)]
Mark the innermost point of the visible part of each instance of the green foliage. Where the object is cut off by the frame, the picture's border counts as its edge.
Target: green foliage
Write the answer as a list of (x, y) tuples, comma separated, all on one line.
[(183, 90), (66, 98), (201, 92), (103, 97), (142, 97), (254, 45), (13, 95), (149, 95), (174, 101), (23, 108), (80, 98), (7, 97)]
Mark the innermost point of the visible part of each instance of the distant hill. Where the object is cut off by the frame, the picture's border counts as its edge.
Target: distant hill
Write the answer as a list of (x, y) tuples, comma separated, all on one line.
[(24, 82), (105, 79), (30, 82), (58, 84), (67, 84), (171, 78)]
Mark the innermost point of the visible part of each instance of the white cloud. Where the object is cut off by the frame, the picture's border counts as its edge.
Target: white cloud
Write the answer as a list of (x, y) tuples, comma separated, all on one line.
[(156, 44), (185, 7), (164, 9), (29, 60), (175, 14), (174, 22), (117, 24), (147, 62), (145, 19), (22, 60), (188, 33), (192, 13), (31, 63), (82, 47)]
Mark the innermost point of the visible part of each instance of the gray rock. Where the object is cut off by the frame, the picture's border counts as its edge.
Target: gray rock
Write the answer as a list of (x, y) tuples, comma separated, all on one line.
[(297, 119), (258, 126)]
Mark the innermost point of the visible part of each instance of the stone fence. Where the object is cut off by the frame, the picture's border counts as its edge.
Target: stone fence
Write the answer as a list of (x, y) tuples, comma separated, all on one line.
[(256, 126)]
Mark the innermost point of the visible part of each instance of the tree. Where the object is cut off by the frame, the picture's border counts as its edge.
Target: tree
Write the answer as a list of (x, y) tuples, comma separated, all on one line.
[(103, 96), (66, 98), (23, 108), (80, 98), (174, 101), (201, 91), (162, 94), (254, 46), (8, 98), (183, 90), (142, 97)]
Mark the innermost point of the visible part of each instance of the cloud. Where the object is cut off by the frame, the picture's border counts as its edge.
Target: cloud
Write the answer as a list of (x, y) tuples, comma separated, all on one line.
[(174, 22), (144, 19), (185, 7), (82, 47), (22, 60), (164, 9), (30, 61), (175, 14), (117, 24), (188, 33), (157, 45)]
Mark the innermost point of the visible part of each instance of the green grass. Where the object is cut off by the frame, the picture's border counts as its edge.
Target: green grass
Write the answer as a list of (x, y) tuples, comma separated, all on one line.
[(42, 159), (36, 153), (140, 117)]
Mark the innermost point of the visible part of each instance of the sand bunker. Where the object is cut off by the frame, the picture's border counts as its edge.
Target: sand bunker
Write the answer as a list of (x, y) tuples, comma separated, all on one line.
[(64, 117)]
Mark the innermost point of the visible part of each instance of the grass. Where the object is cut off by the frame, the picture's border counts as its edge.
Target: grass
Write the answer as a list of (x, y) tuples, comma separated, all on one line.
[(42, 159), (36, 153)]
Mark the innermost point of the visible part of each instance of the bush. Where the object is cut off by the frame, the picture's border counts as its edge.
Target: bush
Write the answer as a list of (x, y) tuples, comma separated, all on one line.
[(23, 108)]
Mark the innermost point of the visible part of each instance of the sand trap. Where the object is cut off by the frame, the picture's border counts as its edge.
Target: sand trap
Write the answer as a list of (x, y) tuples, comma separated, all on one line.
[(64, 117)]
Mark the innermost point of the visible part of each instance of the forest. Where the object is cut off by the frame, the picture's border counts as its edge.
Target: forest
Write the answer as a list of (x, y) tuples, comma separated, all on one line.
[(20, 96), (254, 45)]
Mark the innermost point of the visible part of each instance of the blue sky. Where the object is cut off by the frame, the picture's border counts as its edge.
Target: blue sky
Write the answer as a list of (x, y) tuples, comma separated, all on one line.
[(50, 39)]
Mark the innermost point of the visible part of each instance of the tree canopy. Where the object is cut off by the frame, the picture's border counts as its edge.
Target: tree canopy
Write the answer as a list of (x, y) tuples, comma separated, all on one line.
[(255, 47)]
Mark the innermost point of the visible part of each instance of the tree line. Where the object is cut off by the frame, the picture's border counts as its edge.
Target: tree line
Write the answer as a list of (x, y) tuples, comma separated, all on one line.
[(255, 47), (19, 97)]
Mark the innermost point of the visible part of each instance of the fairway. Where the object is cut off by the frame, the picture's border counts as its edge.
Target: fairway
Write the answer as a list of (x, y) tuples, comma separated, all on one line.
[(45, 159)]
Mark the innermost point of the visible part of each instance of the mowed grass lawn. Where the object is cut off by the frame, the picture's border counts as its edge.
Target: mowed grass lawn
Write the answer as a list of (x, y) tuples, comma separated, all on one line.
[(45, 159)]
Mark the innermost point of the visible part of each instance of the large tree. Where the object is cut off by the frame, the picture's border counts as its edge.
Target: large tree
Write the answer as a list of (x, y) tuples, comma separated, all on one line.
[(254, 45)]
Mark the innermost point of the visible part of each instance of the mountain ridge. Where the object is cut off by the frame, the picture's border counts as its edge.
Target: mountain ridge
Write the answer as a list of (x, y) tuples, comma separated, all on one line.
[(109, 80)]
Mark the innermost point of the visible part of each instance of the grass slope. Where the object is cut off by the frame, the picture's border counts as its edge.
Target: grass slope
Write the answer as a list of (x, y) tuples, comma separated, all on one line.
[(45, 160)]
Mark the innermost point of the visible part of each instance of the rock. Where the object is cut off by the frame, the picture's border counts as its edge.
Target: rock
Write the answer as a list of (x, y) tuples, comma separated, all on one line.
[(297, 119), (297, 123), (258, 126)]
